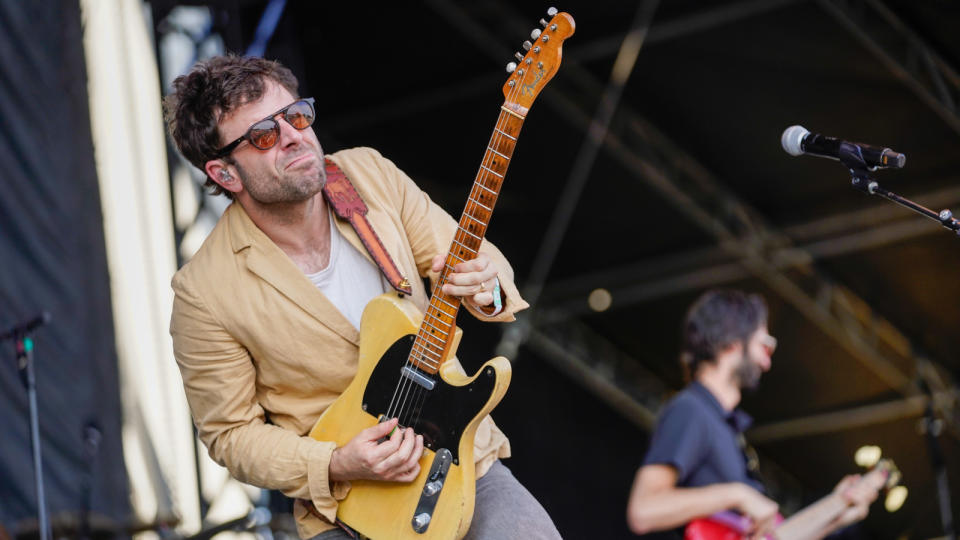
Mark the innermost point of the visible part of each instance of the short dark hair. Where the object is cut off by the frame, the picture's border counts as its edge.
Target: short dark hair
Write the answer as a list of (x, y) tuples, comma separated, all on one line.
[(211, 89), (718, 319)]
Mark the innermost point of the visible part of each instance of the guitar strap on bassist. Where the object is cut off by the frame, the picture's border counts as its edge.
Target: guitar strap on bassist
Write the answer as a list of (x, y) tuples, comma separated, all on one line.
[(347, 204)]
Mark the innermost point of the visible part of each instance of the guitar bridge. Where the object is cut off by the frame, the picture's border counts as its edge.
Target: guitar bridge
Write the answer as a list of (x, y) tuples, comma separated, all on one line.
[(431, 490)]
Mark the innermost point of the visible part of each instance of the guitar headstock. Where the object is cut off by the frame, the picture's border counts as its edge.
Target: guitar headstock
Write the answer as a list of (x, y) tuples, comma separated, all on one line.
[(534, 69)]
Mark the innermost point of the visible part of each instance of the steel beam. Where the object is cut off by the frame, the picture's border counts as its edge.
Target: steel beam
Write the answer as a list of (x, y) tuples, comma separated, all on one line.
[(586, 157), (651, 158), (600, 368), (636, 282), (701, 21), (840, 420), (740, 230), (933, 79)]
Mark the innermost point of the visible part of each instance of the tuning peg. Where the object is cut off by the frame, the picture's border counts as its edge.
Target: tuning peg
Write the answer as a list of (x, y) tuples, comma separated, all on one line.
[(511, 67), (527, 45), (543, 23), (552, 11), (518, 56), (535, 33)]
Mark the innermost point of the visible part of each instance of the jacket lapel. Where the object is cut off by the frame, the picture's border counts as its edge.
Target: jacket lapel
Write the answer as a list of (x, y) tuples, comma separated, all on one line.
[(265, 259)]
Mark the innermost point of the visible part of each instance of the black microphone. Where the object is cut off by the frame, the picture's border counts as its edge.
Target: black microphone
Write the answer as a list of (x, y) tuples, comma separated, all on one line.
[(796, 140), (27, 326)]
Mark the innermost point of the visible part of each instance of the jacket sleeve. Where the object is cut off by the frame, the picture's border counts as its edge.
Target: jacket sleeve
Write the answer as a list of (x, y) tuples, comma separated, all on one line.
[(220, 382), (430, 231)]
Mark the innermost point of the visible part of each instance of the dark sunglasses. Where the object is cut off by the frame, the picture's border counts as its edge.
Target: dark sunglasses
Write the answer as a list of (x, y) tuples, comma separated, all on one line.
[(265, 133)]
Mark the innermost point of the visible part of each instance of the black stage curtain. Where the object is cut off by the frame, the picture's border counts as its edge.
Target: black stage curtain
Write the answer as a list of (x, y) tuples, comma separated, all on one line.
[(52, 258)]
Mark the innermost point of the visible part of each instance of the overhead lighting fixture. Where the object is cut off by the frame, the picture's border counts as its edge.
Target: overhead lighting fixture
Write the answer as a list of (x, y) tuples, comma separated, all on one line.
[(599, 300)]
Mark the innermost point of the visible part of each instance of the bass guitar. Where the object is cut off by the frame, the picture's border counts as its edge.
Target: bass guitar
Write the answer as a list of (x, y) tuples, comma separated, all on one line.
[(405, 369)]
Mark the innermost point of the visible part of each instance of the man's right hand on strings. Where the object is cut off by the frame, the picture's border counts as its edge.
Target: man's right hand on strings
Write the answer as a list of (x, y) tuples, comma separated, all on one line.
[(761, 510), (396, 459)]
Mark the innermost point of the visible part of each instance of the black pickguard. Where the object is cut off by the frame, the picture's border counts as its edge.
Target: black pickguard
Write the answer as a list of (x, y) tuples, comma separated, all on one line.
[(443, 413)]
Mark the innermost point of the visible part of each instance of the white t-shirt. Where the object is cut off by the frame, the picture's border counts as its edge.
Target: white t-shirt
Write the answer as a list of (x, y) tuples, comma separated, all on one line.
[(350, 280)]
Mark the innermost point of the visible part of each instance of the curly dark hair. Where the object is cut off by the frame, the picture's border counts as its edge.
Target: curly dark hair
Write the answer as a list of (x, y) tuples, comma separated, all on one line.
[(718, 319), (211, 89)]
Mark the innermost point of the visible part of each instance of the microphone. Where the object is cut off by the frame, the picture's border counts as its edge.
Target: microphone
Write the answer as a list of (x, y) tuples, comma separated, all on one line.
[(26, 326), (796, 140)]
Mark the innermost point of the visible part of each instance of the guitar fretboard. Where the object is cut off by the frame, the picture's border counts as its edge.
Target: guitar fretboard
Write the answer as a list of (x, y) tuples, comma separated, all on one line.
[(436, 333)]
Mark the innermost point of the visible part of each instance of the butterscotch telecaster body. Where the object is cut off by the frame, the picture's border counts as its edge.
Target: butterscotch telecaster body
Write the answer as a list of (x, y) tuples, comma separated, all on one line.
[(447, 419)]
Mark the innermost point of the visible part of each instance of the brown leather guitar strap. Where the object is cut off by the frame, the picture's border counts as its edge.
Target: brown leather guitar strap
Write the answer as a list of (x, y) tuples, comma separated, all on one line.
[(347, 204)]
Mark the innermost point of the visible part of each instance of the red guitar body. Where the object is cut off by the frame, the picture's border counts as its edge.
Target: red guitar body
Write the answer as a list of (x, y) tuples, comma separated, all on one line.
[(720, 526)]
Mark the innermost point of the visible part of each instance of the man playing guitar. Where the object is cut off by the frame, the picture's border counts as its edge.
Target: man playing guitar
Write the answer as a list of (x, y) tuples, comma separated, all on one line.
[(266, 314), (698, 463)]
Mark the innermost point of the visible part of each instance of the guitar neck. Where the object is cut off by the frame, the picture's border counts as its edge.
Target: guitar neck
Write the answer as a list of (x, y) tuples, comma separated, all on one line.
[(813, 520), (432, 344)]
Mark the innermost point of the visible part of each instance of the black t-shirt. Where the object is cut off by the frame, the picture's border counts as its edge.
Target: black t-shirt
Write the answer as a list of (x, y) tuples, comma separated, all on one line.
[(701, 440)]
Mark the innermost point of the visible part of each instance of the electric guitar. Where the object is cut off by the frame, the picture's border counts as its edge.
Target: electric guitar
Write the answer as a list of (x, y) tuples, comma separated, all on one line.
[(805, 524), (405, 369)]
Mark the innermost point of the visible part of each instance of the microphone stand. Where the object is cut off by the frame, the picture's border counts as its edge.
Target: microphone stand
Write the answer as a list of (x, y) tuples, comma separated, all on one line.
[(20, 334), (932, 427), (930, 383), (91, 447), (851, 156)]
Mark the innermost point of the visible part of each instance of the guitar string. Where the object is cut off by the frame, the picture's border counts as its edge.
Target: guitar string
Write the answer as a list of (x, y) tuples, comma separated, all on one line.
[(399, 407), (460, 237), (421, 349), (461, 233)]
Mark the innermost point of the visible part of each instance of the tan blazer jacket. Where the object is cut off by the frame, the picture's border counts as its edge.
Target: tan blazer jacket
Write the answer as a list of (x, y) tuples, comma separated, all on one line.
[(262, 352)]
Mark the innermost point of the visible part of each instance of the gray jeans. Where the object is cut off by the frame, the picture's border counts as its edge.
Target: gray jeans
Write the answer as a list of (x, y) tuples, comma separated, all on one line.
[(504, 509)]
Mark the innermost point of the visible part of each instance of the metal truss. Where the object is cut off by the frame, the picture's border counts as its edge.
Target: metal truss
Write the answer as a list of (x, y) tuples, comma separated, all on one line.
[(840, 234), (903, 51), (614, 376), (682, 26), (743, 235)]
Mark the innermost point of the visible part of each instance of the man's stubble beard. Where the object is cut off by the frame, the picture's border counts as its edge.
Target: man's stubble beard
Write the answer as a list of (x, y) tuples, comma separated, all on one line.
[(281, 191), (747, 374)]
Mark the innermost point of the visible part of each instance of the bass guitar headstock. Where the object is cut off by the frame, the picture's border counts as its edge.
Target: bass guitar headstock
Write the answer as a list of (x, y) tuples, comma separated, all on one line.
[(534, 69)]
